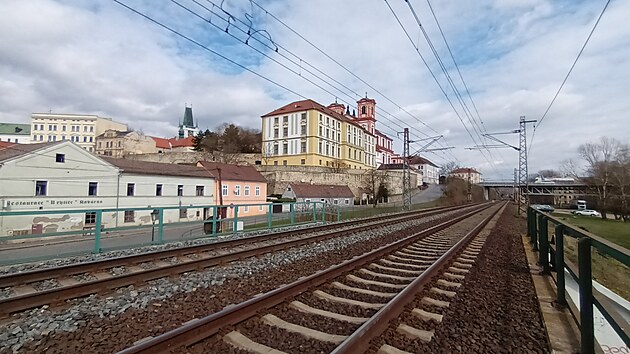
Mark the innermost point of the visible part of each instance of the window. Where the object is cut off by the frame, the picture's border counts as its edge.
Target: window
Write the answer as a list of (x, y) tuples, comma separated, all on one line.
[(246, 209), (303, 116), (61, 158), (257, 191), (34, 126), (84, 129), (129, 215), (260, 208), (284, 162), (335, 201), (63, 137), (303, 129), (41, 127), (224, 190), (321, 131), (363, 110), (63, 128), (85, 139), (91, 129), (303, 162), (99, 144), (285, 120), (130, 189), (90, 218), (40, 187), (320, 147), (199, 191), (275, 163), (183, 213), (285, 131), (158, 190), (303, 147), (347, 201), (246, 190), (285, 148), (275, 132), (307, 200), (276, 120), (119, 143), (91, 139), (180, 190), (50, 127), (275, 149), (92, 188), (237, 190)]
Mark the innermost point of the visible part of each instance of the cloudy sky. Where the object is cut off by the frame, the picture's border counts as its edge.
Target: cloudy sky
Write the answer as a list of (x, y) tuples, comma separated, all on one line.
[(99, 57)]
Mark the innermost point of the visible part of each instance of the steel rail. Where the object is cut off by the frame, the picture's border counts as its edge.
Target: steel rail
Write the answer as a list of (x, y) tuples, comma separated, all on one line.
[(205, 327), (86, 267), (359, 341), (56, 295)]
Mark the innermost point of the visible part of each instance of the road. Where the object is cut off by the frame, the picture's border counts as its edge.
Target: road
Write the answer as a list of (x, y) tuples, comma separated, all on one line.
[(430, 194)]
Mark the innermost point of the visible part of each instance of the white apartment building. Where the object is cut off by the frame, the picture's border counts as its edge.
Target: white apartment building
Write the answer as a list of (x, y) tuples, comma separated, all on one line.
[(430, 172), (78, 128), (63, 176)]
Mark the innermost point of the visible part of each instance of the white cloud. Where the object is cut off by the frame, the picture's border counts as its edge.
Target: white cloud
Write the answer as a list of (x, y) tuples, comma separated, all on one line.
[(78, 57)]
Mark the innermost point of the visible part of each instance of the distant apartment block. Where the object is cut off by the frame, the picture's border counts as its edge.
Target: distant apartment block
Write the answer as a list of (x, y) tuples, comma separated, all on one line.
[(78, 128), (15, 133)]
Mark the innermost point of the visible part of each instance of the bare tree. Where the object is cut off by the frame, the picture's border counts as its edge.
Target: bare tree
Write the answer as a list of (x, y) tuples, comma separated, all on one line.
[(621, 180), (447, 168), (375, 184), (599, 157)]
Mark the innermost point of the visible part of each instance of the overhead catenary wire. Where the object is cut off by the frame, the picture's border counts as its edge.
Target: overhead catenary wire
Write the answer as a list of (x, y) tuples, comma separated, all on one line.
[(566, 77)]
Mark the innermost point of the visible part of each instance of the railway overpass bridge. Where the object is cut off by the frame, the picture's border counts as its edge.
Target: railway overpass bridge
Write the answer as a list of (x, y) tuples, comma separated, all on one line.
[(553, 193)]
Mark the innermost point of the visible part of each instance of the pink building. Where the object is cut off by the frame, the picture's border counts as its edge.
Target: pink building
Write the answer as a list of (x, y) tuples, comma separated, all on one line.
[(384, 149), (238, 185)]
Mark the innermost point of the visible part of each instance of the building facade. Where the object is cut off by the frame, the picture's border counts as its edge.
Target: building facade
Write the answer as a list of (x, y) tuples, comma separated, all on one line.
[(15, 133), (238, 185), (323, 193), (163, 145), (119, 144), (78, 128), (467, 174), (384, 149), (307, 133), (429, 171), (64, 176)]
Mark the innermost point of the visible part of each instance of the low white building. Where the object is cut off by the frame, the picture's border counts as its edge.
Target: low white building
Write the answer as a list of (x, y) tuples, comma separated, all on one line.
[(15, 133), (430, 172), (322, 193), (468, 174), (63, 176)]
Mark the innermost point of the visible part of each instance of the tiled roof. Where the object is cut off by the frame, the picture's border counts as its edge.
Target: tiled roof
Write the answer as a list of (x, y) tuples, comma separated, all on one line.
[(15, 129), (391, 166), (305, 190), (117, 133), (378, 132), (157, 168), (233, 172), (465, 170), (23, 149), (419, 160), (163, 143), (306, 105)]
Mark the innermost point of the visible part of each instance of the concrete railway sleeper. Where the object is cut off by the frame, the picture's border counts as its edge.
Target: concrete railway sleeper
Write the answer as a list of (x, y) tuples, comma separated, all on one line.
[(106, 275), (332, 307)]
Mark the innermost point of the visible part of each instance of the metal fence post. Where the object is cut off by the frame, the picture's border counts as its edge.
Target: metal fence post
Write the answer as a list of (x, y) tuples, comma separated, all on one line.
[(539, 218), (314, 211), (214, 220), (338, 213), (97, 231), (235, 222), (292, 209), (529, 222), (323, 213), (270, 216), (561, 298), (587, 327), (160, 226), (543, 239)]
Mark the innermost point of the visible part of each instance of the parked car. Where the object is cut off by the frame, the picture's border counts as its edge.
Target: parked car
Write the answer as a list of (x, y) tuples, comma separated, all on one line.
[(587, 212), (543, 207)]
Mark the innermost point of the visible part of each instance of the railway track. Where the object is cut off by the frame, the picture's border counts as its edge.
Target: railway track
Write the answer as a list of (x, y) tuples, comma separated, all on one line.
[(344, 307), (82, 279)]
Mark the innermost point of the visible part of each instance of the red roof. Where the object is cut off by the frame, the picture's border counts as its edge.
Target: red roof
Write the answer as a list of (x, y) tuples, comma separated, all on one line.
[(232, 172), (5, 144), (465, 170), (163, 143), (419, 160), (305, 105), (306, 190)]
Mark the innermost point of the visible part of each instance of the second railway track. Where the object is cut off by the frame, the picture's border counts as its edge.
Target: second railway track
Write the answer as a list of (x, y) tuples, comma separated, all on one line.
[(83, 279)]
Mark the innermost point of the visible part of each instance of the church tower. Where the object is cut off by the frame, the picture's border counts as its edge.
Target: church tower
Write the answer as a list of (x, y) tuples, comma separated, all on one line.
[(187, 127), (367, 113)]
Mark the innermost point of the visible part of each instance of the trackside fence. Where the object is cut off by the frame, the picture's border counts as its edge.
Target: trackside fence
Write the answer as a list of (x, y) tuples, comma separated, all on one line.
[(552, 253)]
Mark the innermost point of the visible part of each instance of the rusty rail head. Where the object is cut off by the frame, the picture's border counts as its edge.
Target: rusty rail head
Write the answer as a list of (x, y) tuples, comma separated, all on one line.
[(205, 327), (359, 341)]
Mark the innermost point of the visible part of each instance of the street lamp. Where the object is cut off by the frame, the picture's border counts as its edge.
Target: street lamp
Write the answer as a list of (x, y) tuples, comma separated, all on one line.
[(154, 216)]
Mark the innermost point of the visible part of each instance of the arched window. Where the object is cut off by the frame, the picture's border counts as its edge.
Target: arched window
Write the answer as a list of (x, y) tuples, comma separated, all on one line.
[(363, 110)]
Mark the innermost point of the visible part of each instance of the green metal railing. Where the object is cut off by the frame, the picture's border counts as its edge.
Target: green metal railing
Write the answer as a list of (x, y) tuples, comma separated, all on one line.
[(552, 257)]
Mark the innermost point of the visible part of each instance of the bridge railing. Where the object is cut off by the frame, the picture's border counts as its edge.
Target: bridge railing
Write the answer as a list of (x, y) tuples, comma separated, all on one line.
[(552, 252)]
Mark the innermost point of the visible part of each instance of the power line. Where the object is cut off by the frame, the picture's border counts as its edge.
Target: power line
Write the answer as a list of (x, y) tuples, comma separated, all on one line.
[(568, 74), (435, 79)]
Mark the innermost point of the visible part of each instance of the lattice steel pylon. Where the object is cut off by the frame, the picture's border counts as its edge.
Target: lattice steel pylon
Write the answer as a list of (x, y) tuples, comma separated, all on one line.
[(523, 196), (406, 172)]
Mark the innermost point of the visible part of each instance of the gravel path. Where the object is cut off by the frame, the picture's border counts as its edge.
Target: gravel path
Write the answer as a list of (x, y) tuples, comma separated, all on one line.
[(105, 324)]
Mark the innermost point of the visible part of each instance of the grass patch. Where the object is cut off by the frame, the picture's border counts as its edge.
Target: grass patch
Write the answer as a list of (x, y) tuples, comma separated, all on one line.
[(615, 231)]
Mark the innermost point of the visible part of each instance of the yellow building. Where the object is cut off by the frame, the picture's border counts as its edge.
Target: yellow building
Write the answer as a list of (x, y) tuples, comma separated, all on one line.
[(309, 134), (79, 128)]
